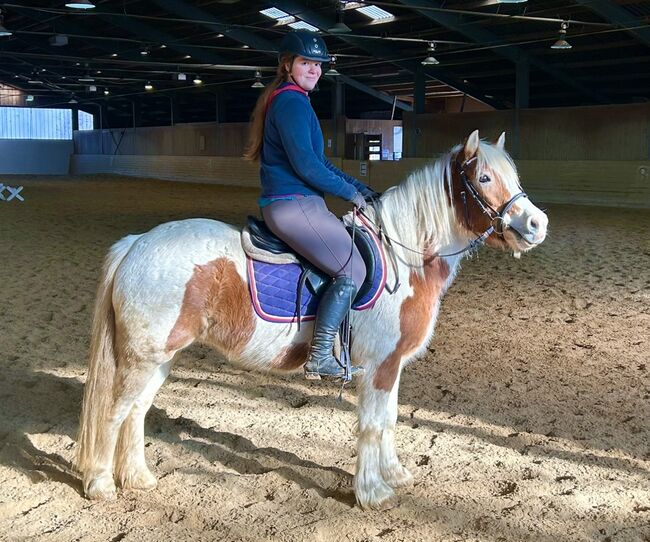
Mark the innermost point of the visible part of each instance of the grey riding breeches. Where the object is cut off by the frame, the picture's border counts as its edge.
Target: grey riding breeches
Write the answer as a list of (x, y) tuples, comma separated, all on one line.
[(309, 228)]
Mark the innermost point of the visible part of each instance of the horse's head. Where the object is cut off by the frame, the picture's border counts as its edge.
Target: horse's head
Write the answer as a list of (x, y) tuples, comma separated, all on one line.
[(487, 194)]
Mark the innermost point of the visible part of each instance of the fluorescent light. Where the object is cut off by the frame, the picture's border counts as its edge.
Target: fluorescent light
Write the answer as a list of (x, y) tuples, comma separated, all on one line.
[(81, 4), (302, 25), (274, 13), (30, 98), (35, 82), (4, 31), (375, 13)]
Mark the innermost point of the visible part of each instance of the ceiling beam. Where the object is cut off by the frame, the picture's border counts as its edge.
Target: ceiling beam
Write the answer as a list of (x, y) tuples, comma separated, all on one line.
[(379, 50), (513, 53), (256, 42), (620, 17)]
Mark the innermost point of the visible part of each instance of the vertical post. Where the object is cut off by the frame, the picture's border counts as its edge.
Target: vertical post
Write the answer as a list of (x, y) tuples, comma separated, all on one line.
[(75, 118), (522, 89), (522, 101), (418, 109), (338, 111)]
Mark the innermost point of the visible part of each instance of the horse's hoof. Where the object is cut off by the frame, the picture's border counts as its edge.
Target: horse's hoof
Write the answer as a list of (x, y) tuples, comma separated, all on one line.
[(101, 488), (379, 497), (138, 479), (398, 477)]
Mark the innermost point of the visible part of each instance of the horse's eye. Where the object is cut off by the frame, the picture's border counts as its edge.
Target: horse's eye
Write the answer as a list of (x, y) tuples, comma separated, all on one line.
[(484, 179)]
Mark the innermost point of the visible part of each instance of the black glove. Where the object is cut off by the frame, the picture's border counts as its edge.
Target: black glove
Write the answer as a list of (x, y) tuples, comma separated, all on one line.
[(370, 194), (359, 201)]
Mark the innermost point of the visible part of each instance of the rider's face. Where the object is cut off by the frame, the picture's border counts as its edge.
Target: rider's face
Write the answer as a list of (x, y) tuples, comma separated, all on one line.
[(305, 73)]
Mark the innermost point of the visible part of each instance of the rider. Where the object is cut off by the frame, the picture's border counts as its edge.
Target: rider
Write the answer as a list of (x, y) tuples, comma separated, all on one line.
[(286, 137)]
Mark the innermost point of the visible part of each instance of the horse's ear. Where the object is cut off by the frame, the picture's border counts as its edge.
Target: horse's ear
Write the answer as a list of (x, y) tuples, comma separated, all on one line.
[(471, 145), (501, 142)]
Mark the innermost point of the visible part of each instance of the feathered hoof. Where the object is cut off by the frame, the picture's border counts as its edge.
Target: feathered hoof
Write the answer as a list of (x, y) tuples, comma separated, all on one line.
[(100, 488), (398, 477), (137, 479), (378, 497)]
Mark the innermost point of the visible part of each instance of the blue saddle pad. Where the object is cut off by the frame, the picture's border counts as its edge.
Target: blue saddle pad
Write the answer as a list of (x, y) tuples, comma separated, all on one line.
[(274, 288)]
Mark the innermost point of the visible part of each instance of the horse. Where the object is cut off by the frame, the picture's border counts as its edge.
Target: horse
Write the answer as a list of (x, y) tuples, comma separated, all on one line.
[(186, 281)]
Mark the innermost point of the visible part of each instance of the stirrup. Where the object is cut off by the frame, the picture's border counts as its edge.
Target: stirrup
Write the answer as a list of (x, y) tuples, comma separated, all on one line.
[(331, 369)]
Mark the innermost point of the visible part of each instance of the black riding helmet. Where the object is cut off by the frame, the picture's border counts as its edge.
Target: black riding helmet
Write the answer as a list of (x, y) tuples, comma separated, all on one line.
[(306, 44)]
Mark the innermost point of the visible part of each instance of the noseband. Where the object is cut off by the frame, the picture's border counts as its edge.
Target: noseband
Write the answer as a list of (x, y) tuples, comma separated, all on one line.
[(497, 222)]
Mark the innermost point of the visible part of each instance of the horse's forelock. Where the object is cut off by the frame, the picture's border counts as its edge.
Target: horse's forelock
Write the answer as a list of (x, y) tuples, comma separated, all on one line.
[(491, 157)]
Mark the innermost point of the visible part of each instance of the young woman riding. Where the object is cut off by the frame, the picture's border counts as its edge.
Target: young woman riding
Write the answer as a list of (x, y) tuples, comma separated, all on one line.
[(287, 140)]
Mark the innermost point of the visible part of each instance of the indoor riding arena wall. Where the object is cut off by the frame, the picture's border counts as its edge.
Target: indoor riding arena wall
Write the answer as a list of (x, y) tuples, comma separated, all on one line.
[(580, 155), (525, 420)]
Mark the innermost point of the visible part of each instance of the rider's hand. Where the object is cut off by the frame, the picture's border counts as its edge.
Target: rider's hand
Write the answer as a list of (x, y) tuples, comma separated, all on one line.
[(371, 195), (359, 201)]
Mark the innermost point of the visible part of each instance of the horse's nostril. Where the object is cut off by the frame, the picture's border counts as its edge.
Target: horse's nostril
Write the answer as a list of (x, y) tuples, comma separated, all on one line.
[(533, 224)]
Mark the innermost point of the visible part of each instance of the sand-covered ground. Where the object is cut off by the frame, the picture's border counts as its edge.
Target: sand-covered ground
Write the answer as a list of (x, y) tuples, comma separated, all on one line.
[(527, 420)]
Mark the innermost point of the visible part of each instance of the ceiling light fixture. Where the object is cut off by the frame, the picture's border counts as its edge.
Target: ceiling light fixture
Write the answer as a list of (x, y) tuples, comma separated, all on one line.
[(258, 80), (332, 72), (197, 80), (148, 86), (430, 60), (80, 4), (30, 98), (106, 92), (562, 43), (340, 27)]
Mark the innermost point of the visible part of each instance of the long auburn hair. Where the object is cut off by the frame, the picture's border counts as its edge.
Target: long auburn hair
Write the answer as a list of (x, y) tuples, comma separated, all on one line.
[(256, 133)]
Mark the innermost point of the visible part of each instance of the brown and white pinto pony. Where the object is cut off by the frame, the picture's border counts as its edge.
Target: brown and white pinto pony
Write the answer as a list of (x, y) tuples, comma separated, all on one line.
[(186, 281)]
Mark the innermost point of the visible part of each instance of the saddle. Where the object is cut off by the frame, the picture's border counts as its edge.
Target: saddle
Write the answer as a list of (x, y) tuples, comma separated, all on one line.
[(285, 287)]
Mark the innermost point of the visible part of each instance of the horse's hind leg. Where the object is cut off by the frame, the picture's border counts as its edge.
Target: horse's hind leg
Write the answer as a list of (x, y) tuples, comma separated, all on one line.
[(130, 464), (131, 378)]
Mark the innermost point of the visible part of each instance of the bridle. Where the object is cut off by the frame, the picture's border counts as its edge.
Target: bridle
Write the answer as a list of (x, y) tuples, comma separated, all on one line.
[(497, 223)]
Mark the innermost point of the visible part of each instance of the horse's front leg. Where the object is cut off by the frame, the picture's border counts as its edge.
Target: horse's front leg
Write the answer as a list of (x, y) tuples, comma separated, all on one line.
[(393, 472), (377, 465)]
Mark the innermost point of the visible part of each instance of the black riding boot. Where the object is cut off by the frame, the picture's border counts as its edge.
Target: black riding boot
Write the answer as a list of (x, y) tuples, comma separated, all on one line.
[(333, 307)]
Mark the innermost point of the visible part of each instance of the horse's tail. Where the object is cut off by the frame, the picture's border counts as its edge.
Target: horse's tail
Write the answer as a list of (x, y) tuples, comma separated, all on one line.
[(98, 392)]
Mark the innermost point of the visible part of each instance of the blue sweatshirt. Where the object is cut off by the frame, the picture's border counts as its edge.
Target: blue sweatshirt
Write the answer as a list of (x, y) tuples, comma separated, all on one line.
[(292, 159)]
